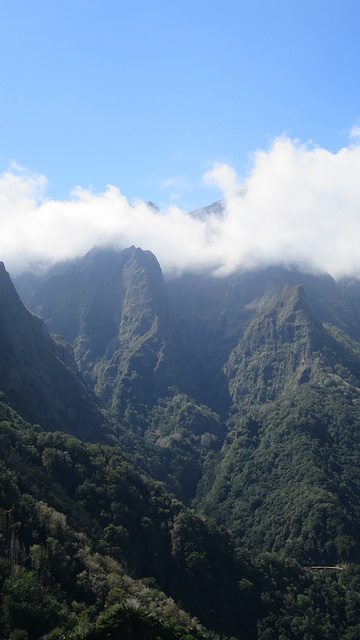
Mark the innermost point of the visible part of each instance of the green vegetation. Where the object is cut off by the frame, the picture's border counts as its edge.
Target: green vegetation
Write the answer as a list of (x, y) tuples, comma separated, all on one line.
[(236, 396), (88, 547), (77, 520), (297, 457)]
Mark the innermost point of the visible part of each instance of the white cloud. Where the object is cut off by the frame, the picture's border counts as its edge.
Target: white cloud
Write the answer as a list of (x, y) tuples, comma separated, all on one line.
[(223, 177), (300, 204), (355, 131)]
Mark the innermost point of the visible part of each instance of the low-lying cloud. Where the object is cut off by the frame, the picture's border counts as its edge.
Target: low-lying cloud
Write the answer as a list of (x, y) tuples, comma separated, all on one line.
[(300, 205)]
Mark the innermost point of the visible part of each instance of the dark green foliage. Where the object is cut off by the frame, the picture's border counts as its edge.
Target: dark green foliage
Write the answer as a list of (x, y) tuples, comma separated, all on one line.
[(130, 622), (188, 431), (297, 457), (322, 603), (27, 605), (70, 506)]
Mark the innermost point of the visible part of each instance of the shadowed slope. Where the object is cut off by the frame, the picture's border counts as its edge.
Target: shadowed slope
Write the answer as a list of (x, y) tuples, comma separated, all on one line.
[(37, 374)]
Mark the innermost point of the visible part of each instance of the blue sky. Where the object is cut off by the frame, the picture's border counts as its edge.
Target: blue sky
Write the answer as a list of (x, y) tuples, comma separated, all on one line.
[(181, 103), (147, 94)]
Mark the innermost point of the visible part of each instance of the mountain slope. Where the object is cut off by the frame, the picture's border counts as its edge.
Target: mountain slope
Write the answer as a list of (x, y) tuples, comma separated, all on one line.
[(76, 520), (112, 308), (279, 350), (287, 479), (38, 373), (270, 349)]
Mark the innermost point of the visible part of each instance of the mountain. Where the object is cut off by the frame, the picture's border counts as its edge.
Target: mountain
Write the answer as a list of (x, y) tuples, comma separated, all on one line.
[(112, 308), (185, 361), (296, 383), (287, 480), (136, 336), (130, 348), (279, 350), (245, 392), (215, 209)]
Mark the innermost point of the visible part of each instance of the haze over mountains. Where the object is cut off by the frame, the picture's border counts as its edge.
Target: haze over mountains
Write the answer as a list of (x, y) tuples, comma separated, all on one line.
[(180, 360), (122, 317)]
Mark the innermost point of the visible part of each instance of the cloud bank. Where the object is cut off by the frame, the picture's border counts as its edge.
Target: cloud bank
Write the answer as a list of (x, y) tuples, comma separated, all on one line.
[(299, 205)]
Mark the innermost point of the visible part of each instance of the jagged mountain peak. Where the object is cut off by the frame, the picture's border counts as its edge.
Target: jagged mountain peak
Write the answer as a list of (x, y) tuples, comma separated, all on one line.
[(103, 255), (215, 209), (292, 309), (292, 306), (296, 293), (111, 305), (6, 284), (278, 350)]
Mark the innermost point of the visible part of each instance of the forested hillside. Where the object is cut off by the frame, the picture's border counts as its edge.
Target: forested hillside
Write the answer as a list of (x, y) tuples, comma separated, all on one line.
[(92, 550), (238, 396)]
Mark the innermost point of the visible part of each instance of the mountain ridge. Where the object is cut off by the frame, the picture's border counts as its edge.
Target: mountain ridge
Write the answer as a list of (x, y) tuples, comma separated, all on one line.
[(277, 351)]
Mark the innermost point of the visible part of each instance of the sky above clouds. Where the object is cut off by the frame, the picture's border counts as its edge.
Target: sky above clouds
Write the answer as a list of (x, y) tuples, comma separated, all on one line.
[(106, 104)]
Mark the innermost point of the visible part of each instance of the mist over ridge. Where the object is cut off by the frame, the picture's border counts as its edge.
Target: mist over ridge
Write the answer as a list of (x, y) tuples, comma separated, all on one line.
[(298, 205)]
